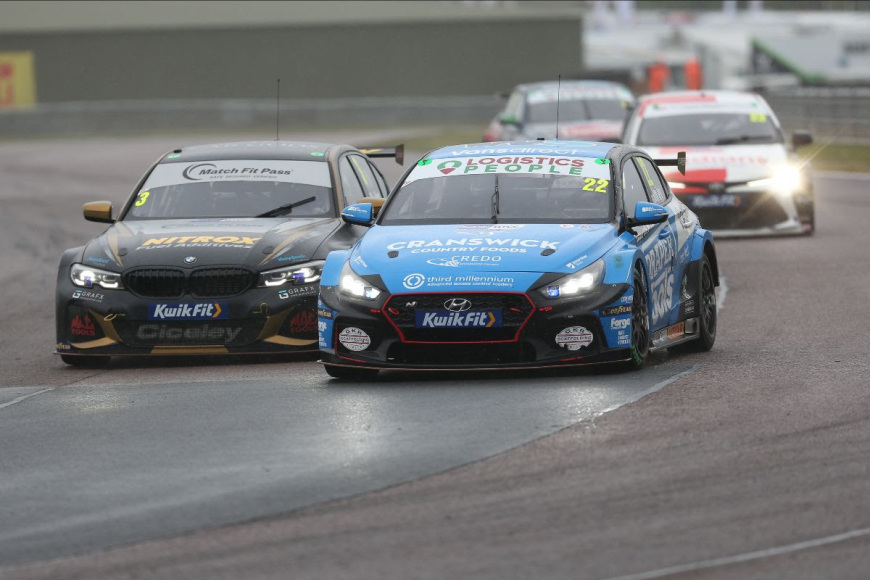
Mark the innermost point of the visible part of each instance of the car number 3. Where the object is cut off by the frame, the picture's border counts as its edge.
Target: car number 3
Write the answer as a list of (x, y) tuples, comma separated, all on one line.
[(142, 198), (591, 185)]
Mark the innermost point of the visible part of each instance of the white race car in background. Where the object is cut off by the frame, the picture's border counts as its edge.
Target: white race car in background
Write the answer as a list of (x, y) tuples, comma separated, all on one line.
[(741, 178)]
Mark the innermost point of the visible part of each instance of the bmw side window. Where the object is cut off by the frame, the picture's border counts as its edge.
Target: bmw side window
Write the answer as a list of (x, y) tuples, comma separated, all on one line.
[(658, 190), (365, 175), (350, 185), (632, 187), (514, 106), (382, 183)]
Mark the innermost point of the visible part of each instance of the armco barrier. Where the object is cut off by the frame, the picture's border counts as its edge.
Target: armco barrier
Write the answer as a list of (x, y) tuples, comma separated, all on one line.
[(122, 117)]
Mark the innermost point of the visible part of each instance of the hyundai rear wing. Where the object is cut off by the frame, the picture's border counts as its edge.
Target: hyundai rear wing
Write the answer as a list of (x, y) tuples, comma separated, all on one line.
[(398, 152), (679, 162)]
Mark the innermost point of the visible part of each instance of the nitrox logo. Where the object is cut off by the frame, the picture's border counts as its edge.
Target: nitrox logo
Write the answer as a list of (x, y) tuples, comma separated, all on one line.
[(448, 166), (188, 311)]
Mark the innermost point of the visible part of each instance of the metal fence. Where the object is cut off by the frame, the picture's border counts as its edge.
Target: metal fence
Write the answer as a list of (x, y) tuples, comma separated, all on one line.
[(839, 114), (130, 117)]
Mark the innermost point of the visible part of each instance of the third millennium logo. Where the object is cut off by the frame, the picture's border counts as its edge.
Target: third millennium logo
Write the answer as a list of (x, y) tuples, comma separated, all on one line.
[(413, 281)]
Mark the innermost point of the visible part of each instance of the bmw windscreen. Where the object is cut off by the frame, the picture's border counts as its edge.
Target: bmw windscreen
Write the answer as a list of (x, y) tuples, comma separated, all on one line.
[(480, 190), (235, 188), (573, 106)]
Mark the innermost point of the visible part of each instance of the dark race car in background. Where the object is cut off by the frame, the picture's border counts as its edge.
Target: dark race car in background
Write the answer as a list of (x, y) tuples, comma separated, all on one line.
[(742, 178), (588, 111), (520, 254), (218, 250)]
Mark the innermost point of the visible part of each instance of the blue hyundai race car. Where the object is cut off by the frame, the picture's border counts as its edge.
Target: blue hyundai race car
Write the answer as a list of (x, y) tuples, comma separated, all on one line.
[(519, 255)]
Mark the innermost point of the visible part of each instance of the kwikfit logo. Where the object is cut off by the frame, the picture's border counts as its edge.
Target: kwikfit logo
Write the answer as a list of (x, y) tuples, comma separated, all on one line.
[(188, 311), (445, 319)]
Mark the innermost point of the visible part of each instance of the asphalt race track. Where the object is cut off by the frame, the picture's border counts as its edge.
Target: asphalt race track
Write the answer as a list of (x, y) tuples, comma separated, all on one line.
[(751, 461)]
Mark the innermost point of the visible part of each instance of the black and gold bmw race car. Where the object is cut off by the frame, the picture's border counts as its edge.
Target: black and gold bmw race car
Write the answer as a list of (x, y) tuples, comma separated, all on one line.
[(218, 250)]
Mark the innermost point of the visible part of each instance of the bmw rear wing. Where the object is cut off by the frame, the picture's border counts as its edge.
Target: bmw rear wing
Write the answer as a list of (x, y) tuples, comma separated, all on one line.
[(398, 152), (679, 162)]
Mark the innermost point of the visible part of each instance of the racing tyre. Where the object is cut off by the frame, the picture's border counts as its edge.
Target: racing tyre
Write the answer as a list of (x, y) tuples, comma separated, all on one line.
[(640, 339), (350, 373), (90, 362), (707, 314)]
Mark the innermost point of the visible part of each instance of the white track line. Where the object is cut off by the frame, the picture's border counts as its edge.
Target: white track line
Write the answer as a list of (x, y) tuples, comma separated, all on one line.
[(25, 397), (723, 292), (747, 557)]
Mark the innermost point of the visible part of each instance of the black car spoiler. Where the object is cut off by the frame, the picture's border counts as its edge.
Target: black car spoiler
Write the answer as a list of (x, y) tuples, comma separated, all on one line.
[(398, 152), (679, 162)]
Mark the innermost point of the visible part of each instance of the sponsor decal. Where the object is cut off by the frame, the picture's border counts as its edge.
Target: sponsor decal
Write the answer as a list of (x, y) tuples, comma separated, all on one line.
[(355, 339), (169, 332), (83, 325), (488, 227), (448, 167), (324, 313), (188, 311), (295, 258), (689, 306), (199, 242), (576, 262), (88, 295), (467, 260), (713, 200), (574, 338), (457, 243), (354, 209), (623, 338), (616, 310), (566, 226), (303, 322), (677, 330), (619, 323), (660, 256), (359, 260), (469, 319), (627, 298), (98, 260), (64, 346), (211, 171), (296, 291), (414, 281), (662, 296)]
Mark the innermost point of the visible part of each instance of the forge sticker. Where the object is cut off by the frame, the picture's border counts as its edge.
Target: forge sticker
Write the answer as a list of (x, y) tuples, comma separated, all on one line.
[(574, 338), (355, 339), (197, 241)]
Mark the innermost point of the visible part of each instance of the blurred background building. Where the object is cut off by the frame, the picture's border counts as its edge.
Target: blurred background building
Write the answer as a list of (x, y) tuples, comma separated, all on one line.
[(79, 66)]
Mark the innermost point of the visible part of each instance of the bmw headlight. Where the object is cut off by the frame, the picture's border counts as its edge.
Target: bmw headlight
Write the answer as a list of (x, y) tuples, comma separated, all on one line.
[(576, 284), (88, 277), (785, 180), (351, 284), (307, 273)]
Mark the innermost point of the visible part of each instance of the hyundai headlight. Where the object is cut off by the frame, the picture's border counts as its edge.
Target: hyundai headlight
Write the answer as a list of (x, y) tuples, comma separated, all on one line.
[(351, 284), (307, 273), (785, 180), (579, 283), (88, 277)]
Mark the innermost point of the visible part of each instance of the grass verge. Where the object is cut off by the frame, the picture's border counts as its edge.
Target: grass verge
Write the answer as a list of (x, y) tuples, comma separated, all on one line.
[(837, 157)]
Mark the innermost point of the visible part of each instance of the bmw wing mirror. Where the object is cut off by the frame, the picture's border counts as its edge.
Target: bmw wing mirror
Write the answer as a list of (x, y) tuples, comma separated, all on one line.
[(358, 214), (800, 139), (648, 213), (98, 211)]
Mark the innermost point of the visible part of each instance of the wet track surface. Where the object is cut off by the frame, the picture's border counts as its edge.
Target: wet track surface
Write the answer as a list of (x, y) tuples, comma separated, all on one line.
[(765, 444)]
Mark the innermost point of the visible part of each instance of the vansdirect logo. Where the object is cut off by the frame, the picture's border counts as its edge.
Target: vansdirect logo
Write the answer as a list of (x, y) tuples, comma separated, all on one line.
[(188, 311), (447, 319)]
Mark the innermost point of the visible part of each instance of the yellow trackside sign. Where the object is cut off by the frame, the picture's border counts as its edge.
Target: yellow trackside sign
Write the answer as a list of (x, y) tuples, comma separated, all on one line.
[(17, 82)]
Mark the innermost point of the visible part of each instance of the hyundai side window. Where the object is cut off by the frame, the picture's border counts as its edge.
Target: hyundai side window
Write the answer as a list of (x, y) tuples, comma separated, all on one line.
[(658, 190), (632, 187), (350, 185)]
